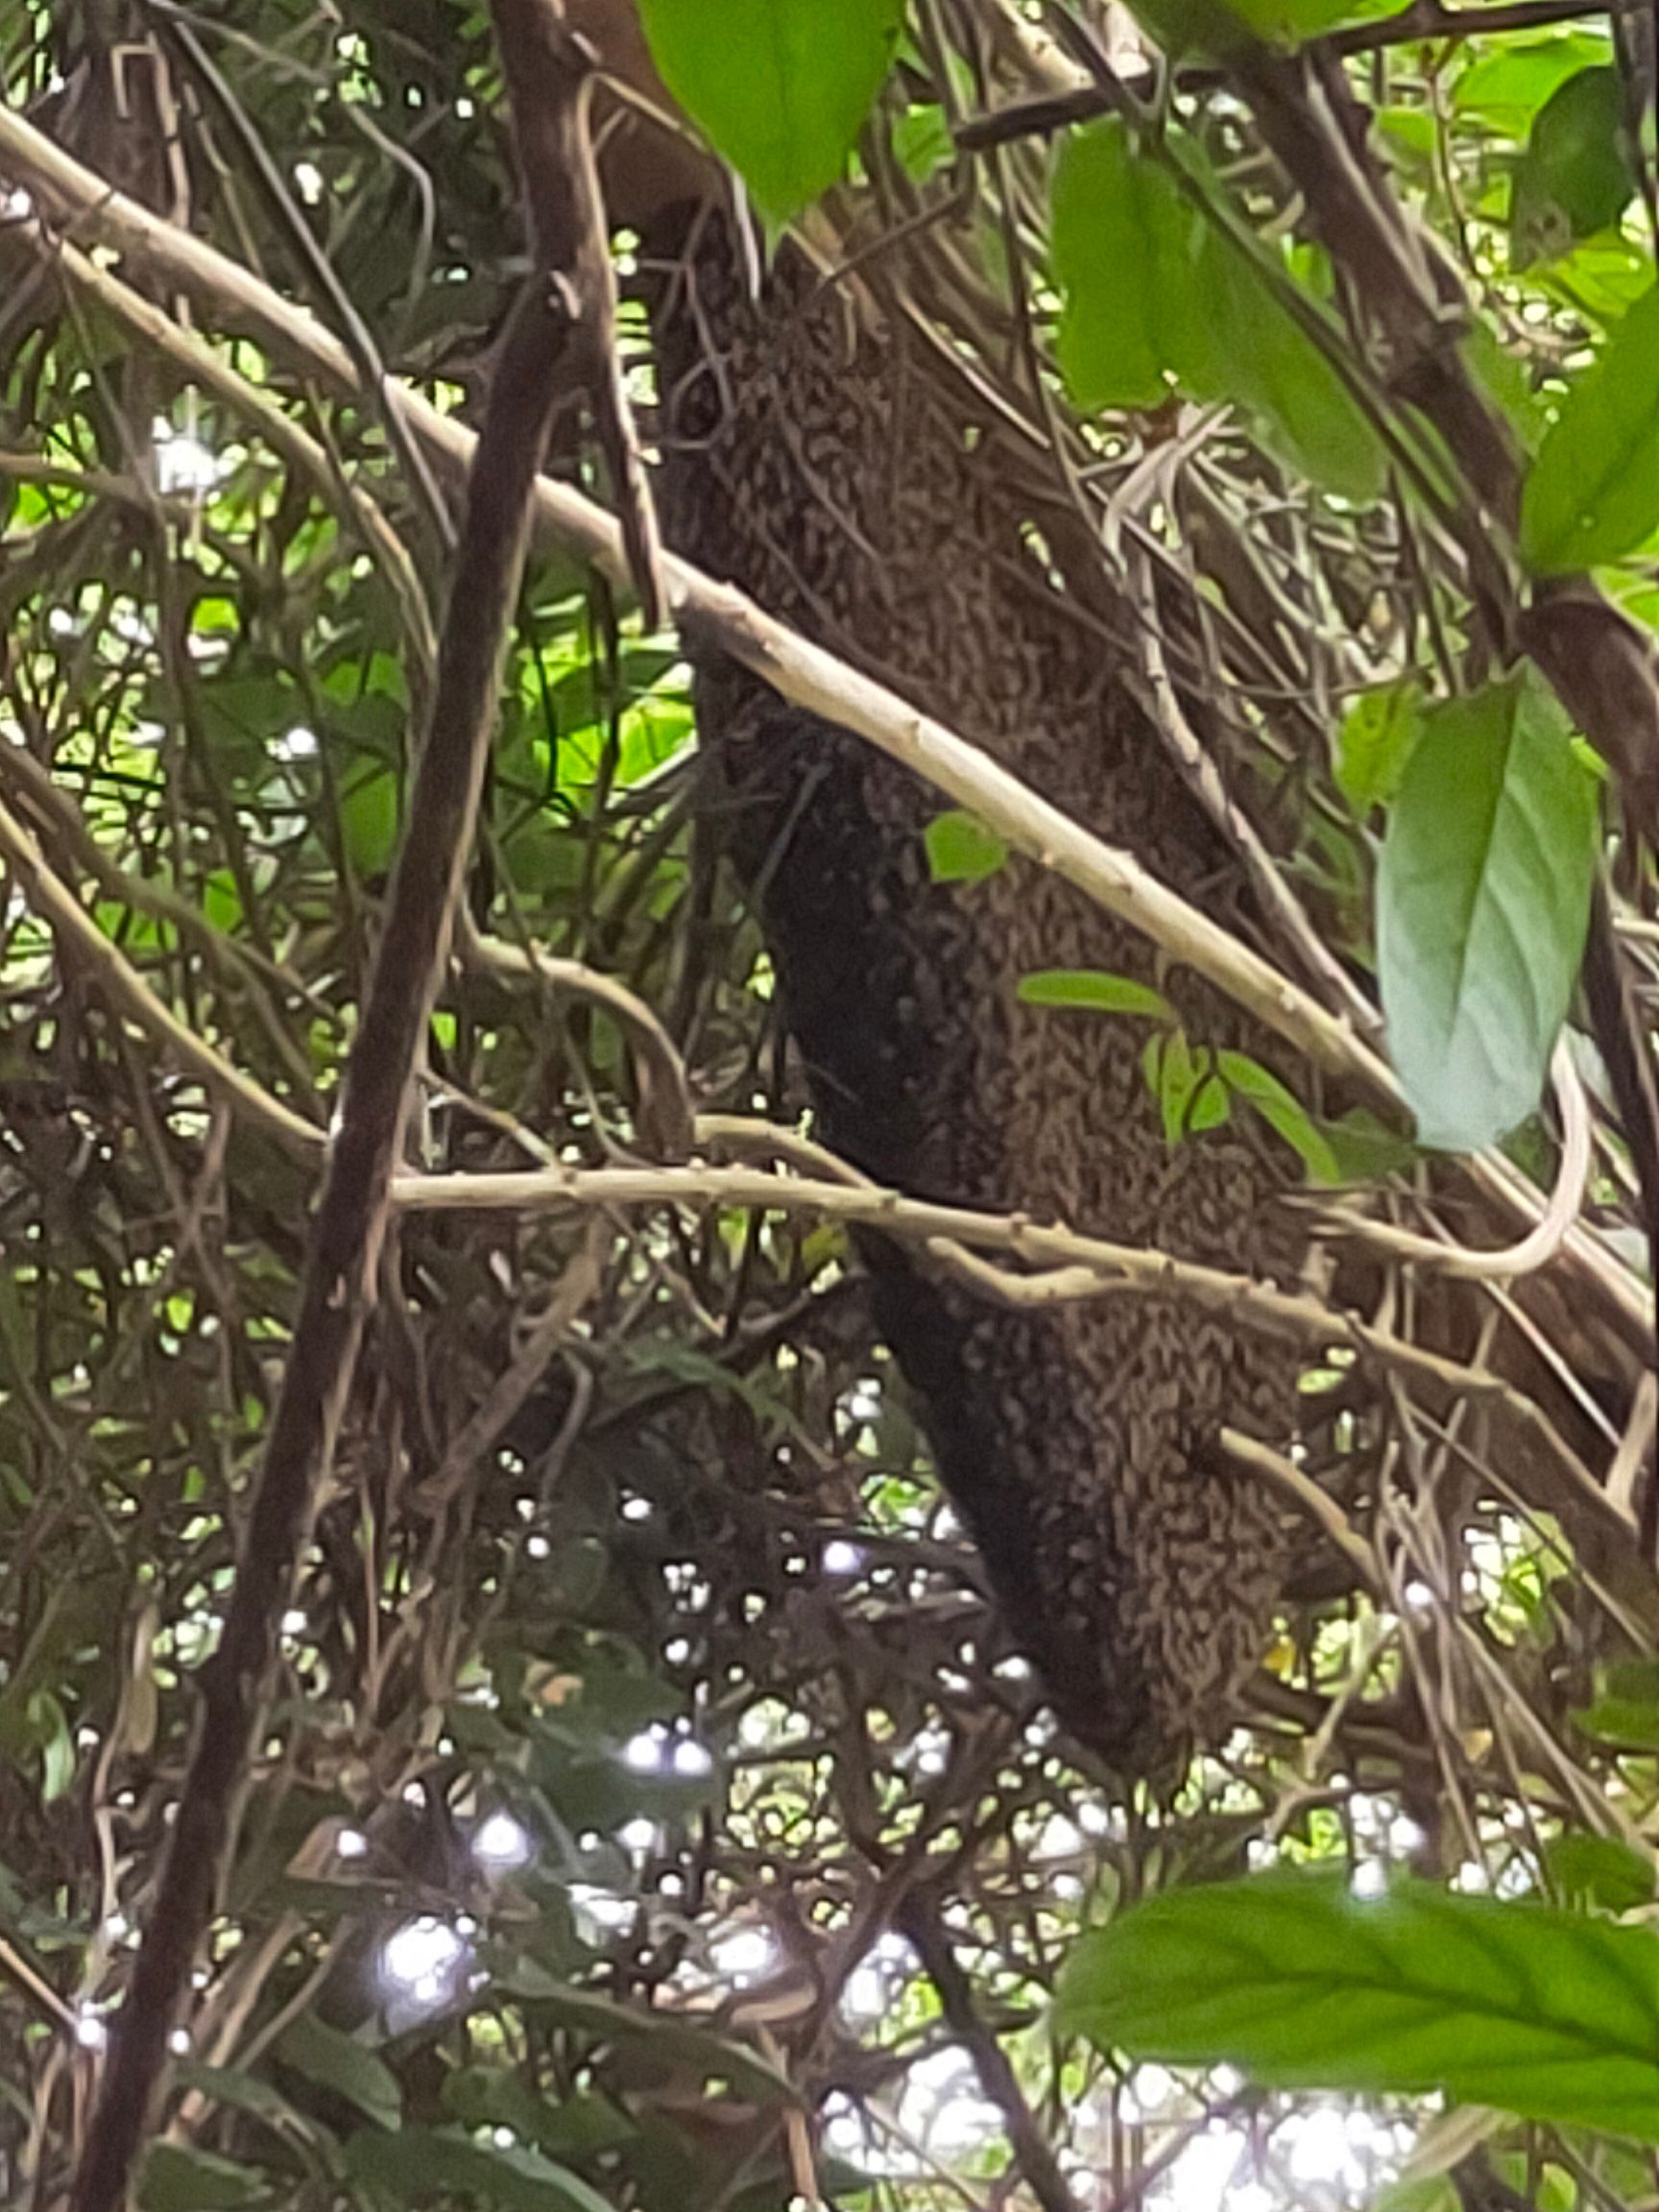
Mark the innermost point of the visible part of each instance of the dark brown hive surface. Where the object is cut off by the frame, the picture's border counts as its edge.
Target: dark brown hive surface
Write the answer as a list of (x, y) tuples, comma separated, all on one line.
[(820, 462)]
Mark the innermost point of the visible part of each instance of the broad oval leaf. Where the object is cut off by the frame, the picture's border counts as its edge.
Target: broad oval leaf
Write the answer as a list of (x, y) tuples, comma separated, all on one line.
[(1222, 27), (181, 2177), (1593, 493), (1574, 176), (1482, 901), (325, 2053), (1154, 299), (1506, 84), (1543, 2013), (1375, 743), (1126, 249), (780, 86)]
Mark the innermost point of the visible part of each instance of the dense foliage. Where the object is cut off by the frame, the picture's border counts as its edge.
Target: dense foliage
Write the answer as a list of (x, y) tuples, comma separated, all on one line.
[(649, 1810)]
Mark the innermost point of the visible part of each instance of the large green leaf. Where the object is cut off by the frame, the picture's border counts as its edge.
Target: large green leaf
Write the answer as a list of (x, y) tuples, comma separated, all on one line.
[(780, 86), (1156, 299), (1574, 176), (328, 2054), (1482, 901), (1593, 493), (423, 2163), (180, 2177), (1543, 2013), (1505, 86)]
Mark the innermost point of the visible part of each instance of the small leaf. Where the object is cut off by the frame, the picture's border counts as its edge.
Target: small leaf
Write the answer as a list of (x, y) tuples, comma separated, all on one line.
[(1546, 2015), (368, 813), (1091, 988), (1190, 1095), (961, 849), (1625, 1707), (1375, 743), (177, 2177), (1593, 493), (780, 86), (328, 2054), (1283, 1112), (1482, 901), (1602, 1871), (1574, 176), (1364, 1148)]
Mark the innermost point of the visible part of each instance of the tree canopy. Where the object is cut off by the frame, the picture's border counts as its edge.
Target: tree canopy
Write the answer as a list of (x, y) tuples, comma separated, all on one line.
[(496, 1707)]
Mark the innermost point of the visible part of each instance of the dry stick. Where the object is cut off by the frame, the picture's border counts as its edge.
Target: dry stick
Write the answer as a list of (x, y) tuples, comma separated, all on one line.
[(79, 938), (806, 676), (348, 1230), (1078, 1266)]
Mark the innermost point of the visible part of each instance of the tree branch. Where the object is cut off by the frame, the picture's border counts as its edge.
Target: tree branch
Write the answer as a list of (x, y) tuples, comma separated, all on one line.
[(348, 1230), (803, 673)]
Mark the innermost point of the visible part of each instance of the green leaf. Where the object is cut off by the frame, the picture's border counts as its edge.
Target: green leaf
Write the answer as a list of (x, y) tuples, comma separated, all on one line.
[(1365, 1148), (1507, 84), (369, 814), (1125, 249), (1260, 357), (1192, 1096), (1593, 493), (341, 2063), (1546, 2015), (1153, 296), (961, 849), (1375, 743), (422, 2163), (1625, 1707), (1482, 901), (1574, 176), (1093, 987), (1283, 1112), (780, 86), (1600, 1870), (177, 2177)]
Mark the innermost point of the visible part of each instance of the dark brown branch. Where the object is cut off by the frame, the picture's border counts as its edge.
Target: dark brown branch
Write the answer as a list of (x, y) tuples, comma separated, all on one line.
[(1622, 1036), (349, 1225), (918, 1918), (1419, 24), (549, 72), (1597, 663)]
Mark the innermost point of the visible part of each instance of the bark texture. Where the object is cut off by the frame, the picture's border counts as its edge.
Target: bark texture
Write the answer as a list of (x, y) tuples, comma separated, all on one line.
[(824, 462)]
